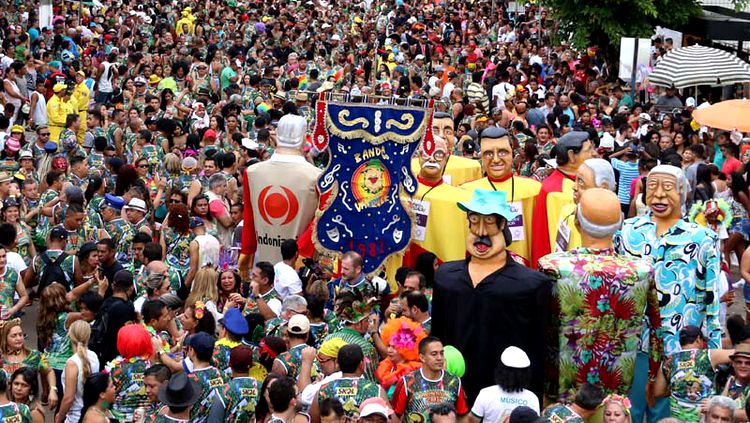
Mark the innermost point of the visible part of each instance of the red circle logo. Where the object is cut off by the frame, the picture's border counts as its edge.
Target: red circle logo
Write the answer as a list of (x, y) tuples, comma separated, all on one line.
[(277, 205)]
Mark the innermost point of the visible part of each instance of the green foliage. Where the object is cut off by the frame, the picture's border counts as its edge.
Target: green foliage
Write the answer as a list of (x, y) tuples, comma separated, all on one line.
[(740, 5), (603, 22)]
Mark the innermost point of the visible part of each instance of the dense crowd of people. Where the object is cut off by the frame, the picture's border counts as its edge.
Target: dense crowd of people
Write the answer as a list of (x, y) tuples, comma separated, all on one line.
[(126, 130)]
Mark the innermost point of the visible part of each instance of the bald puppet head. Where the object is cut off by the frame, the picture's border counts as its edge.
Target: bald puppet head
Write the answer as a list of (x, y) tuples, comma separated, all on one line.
[(598, 215)]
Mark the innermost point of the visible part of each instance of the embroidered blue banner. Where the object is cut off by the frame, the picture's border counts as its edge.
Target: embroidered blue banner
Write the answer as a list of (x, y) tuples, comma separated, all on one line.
[(371, 148)]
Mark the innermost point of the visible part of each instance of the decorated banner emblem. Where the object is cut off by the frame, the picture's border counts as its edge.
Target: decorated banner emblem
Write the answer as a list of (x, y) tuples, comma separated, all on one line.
[(371, 148)]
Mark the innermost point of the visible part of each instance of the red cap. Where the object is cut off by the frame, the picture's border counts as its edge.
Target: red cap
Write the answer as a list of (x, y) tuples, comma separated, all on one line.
[(210, 133)]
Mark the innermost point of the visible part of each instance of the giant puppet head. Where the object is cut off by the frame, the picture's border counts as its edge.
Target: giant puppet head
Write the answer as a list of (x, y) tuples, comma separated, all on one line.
[(666, 191), (488, 213), (432, 166), (497, 153), (593, 173), (598, 216), (442, 126), (571, 150), (290, 134)]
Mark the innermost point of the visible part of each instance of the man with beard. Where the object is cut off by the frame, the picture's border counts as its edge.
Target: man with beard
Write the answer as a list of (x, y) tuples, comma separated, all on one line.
[(488, 303), (434, 205), (457, 170), (686, 269)]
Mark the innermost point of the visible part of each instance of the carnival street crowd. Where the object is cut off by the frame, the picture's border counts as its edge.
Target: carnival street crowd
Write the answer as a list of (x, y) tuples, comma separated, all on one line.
[(575, 250)]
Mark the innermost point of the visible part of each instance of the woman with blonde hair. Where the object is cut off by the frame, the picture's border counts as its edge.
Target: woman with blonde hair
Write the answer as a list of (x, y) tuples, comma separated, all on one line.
[(204, 289), (78, 367)]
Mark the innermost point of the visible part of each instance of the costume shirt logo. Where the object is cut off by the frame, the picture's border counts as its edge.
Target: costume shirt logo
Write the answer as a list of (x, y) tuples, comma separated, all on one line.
[(277, 205), (371, 147)]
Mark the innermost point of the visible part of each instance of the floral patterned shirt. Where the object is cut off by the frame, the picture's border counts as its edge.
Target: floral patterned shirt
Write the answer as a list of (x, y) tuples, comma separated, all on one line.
[(599, 299), (15, 412), (212, 381), (686, 269), (127, 376), (350, 392), (8, 281), (240, 397), (559, 413), (691, 380)]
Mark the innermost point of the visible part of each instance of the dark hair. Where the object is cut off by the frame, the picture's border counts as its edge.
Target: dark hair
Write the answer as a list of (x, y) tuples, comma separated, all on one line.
[(205, 324), (441, 410), (29, 376), (159, 371), (281, 393), (266, 270), (427, 341), (92, 300), (262, 408), (732, 148), (8, 234), (422, 279), (511, 379), (126, 178), (288, 249), (350, 357), (425, 266), (95, 385), (589, 397), (699, 150), (109, 242), (703, 175), (152, 310), (417, 299), (141, 238), (331, 406), (52, 176), (738, 185), (95, 183)]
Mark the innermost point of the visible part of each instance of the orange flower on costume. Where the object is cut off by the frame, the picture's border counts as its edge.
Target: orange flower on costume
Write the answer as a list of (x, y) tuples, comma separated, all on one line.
[(404, 336)]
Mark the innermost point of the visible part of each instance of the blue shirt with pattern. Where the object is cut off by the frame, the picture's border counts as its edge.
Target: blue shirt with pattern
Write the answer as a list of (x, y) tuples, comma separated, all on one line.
[(686, 269)]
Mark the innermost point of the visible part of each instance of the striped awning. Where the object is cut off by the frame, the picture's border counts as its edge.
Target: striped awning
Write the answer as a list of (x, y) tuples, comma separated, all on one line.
[(699, 65)]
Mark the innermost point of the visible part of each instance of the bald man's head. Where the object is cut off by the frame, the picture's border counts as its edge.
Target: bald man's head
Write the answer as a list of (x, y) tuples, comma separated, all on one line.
[(599, 215)]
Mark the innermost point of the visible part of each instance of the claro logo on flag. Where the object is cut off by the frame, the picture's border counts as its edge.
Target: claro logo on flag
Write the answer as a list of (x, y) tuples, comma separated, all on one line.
[(277, 205)]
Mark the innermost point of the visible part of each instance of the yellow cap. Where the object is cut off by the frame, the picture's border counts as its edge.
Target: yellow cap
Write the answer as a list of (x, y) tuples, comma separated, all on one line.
[(154, 79), (357, 20), (332, 346), (17, 128), (80, 72), (59, 87)]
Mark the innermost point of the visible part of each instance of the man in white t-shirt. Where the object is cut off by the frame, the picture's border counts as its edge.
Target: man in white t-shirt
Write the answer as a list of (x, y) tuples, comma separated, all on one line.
[(287, 281), (8, 237), (495, 403)]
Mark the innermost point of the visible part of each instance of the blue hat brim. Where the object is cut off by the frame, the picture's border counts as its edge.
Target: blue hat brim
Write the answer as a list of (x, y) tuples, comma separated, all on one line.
[(487, 209)]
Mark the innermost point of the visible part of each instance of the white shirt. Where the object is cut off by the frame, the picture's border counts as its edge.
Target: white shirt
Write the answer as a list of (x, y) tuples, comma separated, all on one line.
[(500, 90), (493, 404), (286, 280), (448, 89), (308, 394), (74, 414), (15, 262)]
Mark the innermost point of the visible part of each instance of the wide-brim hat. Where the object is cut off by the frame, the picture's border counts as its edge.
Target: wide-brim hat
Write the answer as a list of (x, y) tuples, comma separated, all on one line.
[(486, 202), (742, 350), (180, 391), (136, 204)]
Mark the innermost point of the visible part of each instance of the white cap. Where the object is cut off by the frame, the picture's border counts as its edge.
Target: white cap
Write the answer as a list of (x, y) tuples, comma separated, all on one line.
[(335, 37), (645, 116), (136, 204), (419, 57), (690, 102), (299, 324), (325, 26), (515, 358), (291, 131), (373, 406), (249, 144)]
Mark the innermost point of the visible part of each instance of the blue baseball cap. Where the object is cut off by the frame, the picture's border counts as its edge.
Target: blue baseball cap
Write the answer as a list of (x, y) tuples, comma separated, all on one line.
[(488, 202), (195, 222), (113, 201), (50, 147), (234, 322), (201, 342)]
